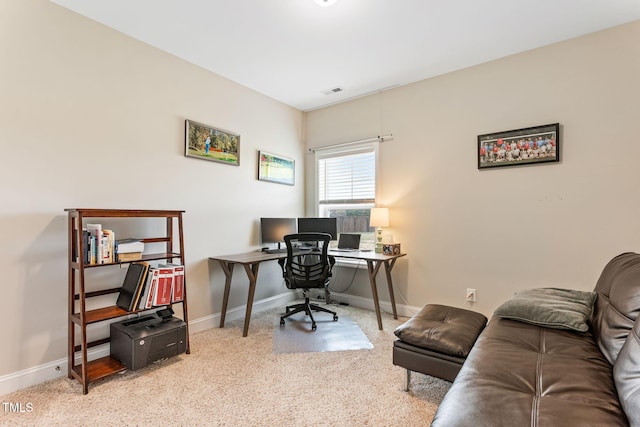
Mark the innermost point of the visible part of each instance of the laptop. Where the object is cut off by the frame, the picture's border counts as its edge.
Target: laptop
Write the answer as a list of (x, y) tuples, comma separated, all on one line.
[(348, 242)]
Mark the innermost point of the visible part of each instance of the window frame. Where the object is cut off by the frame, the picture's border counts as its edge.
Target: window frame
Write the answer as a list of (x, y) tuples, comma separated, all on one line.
[(345, 150)]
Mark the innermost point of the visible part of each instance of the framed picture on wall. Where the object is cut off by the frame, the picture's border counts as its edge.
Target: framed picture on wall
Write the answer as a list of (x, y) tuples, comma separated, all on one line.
[(537, 144), (275, 168), (209, 143)]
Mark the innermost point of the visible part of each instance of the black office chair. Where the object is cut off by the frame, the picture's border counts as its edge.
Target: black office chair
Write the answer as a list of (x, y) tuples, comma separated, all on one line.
[(307, 269)]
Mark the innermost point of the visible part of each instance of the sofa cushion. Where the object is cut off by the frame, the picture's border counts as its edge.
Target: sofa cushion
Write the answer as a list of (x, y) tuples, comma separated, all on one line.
[(626, 373), (618, 303), (519, 374), (550, 307), (444, 329)]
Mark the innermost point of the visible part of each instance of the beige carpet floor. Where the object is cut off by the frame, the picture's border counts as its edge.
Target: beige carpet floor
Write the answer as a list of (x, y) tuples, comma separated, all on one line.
[(228, 380)]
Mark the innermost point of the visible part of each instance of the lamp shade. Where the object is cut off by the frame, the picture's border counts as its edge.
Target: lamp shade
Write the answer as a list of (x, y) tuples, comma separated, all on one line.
[(325, 2), (379, 217)]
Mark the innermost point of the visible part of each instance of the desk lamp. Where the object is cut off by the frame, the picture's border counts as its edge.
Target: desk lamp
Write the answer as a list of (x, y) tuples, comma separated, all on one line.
[(379, 218)]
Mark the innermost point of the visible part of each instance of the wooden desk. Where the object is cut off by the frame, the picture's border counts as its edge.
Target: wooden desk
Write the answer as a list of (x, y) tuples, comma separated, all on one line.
[(251, 263)]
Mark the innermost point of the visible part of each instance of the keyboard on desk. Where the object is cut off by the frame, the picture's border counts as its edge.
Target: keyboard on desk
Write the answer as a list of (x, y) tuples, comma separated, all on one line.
[(276, 251)]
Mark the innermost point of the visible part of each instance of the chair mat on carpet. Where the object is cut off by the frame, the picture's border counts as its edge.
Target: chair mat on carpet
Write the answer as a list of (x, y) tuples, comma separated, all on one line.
[(296, 335)]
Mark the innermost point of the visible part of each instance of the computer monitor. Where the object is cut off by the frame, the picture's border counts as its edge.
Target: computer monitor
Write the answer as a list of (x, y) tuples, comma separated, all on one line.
[(319, 225), (273, 230)]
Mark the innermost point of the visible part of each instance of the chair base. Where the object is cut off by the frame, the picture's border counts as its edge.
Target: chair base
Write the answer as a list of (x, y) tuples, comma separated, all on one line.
[(307, 307)]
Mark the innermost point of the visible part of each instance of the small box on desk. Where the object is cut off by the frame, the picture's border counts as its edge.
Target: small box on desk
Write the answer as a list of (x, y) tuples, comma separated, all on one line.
[(391, 249), (143, 340)]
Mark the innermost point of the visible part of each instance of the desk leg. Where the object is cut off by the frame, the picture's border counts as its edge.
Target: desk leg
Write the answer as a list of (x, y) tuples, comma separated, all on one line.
[(388, 266), (227, 268), (252, 274), (373, 268)]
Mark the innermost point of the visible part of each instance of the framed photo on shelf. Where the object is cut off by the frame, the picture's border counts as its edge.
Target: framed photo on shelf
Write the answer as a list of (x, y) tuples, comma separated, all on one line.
[(208, 143), (275, 168), (537, 144)]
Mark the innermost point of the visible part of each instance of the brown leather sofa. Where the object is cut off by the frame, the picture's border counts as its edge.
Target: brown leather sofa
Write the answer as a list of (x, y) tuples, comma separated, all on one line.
[(520, 374)]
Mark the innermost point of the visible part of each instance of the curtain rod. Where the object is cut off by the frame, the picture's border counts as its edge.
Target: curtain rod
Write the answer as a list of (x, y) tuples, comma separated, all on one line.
[(378, 138)]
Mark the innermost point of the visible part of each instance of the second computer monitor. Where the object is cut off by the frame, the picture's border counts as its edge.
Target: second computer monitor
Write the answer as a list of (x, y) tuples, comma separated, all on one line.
[(319, 225)]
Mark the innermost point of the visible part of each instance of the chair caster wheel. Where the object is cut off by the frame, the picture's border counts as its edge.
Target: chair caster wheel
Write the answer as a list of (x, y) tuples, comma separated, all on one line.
[(335, 317), (281, 322), (313, 326)]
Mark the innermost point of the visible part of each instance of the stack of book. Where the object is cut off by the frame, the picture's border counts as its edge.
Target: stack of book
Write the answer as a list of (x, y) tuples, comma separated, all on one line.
[(132, 287), (146, 286), (99, 244), (128, 250)]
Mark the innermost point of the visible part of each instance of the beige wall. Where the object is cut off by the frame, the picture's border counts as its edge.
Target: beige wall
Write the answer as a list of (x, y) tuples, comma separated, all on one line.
[(92, 118), (506, 229)]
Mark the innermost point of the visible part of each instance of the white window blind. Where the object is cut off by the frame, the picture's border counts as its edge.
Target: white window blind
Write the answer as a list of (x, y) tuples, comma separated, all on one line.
[(347, 177)]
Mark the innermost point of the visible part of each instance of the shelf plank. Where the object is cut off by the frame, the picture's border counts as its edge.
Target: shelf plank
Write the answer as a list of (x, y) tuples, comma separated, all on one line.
[(98, 293), (145, 257), (124, 213), (100, 314), (101, 368), (93, 344), (166, 255), (111, 312)]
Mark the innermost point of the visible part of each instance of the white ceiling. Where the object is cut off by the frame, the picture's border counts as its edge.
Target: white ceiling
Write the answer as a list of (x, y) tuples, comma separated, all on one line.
[(294, 50)]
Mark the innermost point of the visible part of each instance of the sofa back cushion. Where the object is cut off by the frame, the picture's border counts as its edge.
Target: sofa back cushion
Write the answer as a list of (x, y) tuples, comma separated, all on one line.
[(626, 373), (617, 305)]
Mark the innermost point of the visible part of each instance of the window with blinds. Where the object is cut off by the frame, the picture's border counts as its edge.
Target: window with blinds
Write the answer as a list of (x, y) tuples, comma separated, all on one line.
[(346, 187), (347, 179)]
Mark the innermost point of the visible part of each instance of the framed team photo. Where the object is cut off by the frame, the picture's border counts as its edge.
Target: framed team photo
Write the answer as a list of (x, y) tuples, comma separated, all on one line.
[(532, 145)]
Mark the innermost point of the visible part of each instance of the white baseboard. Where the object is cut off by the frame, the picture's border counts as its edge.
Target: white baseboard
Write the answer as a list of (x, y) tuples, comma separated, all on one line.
[(59, 368), (367, 304), (32, 376)]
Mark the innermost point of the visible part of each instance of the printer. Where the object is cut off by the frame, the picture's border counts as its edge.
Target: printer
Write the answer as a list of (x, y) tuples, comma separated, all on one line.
[(143, 340)]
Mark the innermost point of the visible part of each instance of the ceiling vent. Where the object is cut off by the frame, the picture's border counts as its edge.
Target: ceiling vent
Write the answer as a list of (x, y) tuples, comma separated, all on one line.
[(332, 91)]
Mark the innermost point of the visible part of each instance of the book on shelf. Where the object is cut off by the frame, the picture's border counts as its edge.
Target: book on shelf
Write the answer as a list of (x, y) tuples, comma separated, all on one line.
[(129, 256), (95, 231), (108, 243), (86, 247), (146, 298), (86, 241), (124, 246), (91, 250), (162, 291), (132, 285), (177, 285), (100, 245)]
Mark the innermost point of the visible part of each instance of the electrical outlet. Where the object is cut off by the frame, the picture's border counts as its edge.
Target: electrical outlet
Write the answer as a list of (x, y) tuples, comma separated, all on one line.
[(471, 295)]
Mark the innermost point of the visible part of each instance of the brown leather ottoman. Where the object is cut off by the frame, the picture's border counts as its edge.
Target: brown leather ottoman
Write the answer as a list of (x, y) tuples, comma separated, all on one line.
[(436, 341)]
